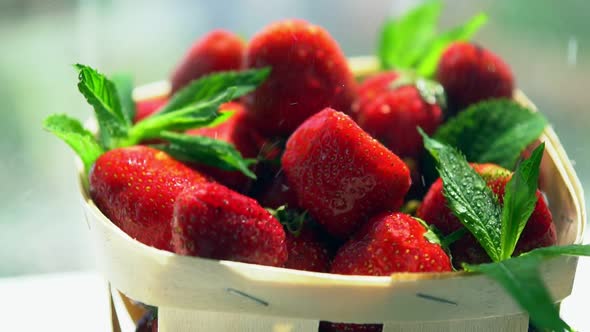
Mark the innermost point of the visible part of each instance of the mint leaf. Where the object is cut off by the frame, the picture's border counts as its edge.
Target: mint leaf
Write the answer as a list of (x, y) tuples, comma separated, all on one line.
[(494, 131), (102, 95), (196, 115), (468, 196), (403, 39), (453, 237), (519, 201), (520, 278), (206, 150), (124, 85), (221, 118), (568, 250), (72, 132), (208, 86), (429, 59)]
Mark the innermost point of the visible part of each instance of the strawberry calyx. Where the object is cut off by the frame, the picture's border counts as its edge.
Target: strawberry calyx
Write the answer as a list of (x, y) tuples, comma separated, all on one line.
[(432, 235), (431, 91), (292, 220)]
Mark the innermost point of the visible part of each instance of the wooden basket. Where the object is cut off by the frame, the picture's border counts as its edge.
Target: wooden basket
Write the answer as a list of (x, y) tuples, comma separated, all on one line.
[(196, 294)]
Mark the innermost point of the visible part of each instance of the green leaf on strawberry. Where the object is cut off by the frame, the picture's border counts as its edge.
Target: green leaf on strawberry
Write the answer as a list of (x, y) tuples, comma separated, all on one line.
[(521, 279), (101, 94), (519, 201), (518, 275), (213, 84), (404, 39), (124, 85), (206, 150), (412, 42), (291, 219), (196, 115), (197, 105), (494, 131), (76, 136), (429, 60), (468, 196)]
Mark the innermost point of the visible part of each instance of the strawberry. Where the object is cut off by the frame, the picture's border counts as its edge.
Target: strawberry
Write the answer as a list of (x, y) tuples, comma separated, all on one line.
[(348, 327), (370, 88), (470, 73), (148, 322), (305, 245), (219, 50), (307, 252), (539, 231), (135, 187), (309, 73), (390, 111), (213, 221), (147, 107), (342, 175), (242, 135), (388, 243)]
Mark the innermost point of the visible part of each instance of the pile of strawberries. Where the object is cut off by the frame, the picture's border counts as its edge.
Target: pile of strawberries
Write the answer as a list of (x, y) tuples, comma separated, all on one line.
[(338, 158)]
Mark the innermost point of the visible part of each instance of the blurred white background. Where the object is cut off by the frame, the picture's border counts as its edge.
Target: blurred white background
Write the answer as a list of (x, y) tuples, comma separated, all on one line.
[(42, 227)]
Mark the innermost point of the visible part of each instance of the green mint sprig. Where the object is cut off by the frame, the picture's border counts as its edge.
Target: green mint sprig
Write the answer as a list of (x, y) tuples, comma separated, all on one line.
[(197, 105), (213, 84), (124, 86), (520, 198), (494, 131), (498, 233), (520, 277), (71, 131), (206, 151), (412, 42), (468, 196)]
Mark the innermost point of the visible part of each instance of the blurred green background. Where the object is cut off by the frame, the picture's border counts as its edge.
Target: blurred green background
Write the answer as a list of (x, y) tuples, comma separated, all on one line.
[(42, 226)]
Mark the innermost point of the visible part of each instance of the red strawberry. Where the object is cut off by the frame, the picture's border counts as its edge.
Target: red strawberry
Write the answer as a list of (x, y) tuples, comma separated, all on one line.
[(370, 88), (242, 135), (392, 113), (340, 174), (219, 50), (347, 327), (539, 231), (388, 243), (145, 108), (307, 252), (305, 245), (470, 73), (309, 73), (135, 187), (213, 221)]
